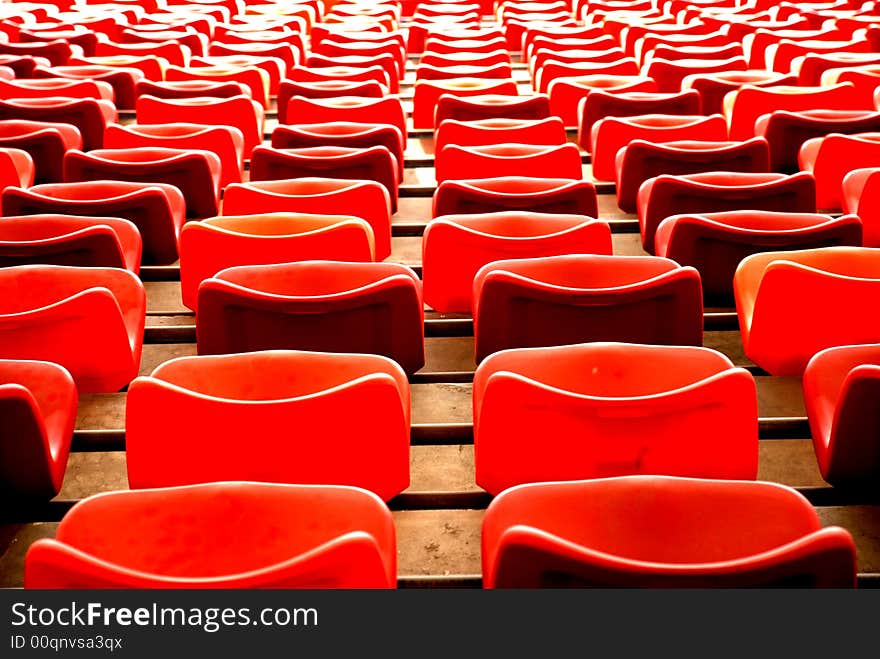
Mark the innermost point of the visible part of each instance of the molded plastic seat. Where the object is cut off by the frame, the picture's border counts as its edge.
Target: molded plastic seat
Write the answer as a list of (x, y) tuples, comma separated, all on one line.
[(88, 320), (331, 89), (661, 532), (831, 157), (540, 195), (388, 110), (16, 168), (57, 51), (665, 195), (38, 403), (455, 247), (289, 403), (611, 134), (485, 71), (427, 93), (780, 56), (60, 87), (23, 65), (334, 73), (156, 209), (367, 200), (595, 410), (217, 243), (841, 386), (554, 70), (151, 66), (716, 243), (189, 89), (287, 53), (122, 80), (560, 300), (669, 74), (90, 116), (328, 306), (714, 86), (791, 305), (255, 79), (540, 161), (175, 53), (566, 94), (386, 62), (106, 242), (465, 57), (485, 132), (194, 41), (860, 195), (309, 536), (491, 106), (811, 66), (642, 160)]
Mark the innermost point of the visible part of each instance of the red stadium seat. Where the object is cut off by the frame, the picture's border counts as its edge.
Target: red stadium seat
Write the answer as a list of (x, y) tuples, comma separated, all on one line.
[(386, 62), (500, 71), (553, 70), (491, 106), (427, 93), (860, 195), (780, 56), (335, 73), (661, 532), (196, 43), (189, 89), (313, 305), (62, 87), (388, 110), (255, 79), (560, 300), (287, 53), (16, 168), (150, 66), (310, 536), (543, 161), (486, 132), (567, 94), (56, 51), (831, 157), (332, 89), (91, 116), (811, 67), (175, 53), (791, 305), (122, 80), (466, 57), (669, 74), (540, 195), (612, 409), (714, 86), (23, 65)]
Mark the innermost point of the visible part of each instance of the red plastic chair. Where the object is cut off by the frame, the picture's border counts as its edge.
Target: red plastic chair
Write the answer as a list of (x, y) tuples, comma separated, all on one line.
[(287, 53), (831, 157), (540, 195), (714, 86), (812, 66), (791, 305), (189, 89), (331, 89), (599, 104), (23, 65), (226, 142), (91, 116), (491, 106), (195, 42), (314, 305), (595, 410), (760, 40), (56, 51), (664, 50), (335, 73), (151, 66), (332, 48), (255, 79), (255, 394), (554, 70), (540, 161), (241, 112), (665, 195), (661, 532), (386, 62), (157, 210), (716, 243), (196, 173), (455, 247), (860, 192), (642, 160), (669, 74), (103, 242), (122, 80), (561, 300), (365, 199), (427, 93), (88, 320), (865, 78), (388, 110), (60, 87), (840, 393), (438, 44), (465, 57), (486, 132), (175, 53), (16, 168), (780, 56), (217, 243), (501, 71), (567, 94), (310, 536), (38, 403), (611, 134)]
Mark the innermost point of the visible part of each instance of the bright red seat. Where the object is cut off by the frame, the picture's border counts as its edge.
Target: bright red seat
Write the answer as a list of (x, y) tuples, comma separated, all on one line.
[(175, 53), (150, 66), (661, 532), (387, 62), (543, 161), (195, 42), (437, 43), (91, 116), (388, 110), (88, 320), (831, 157), (38, 402), (714, 86), (491, 106), (611, 134), (704, 53), (287, 53), (365, 199), (104, 242), (780, 56), (865, 78), (227, 397), (612, 409), (56, 51), (523, 193), (189, 89), (455, 247), (465, 57), (567, 94), (486, 132), (310, 536), (314, 305), (759, 41), (642, 160), (500, 71), (554, 70), (669, 74), (255, 79), (16, 168), (560, 300), (812, 66), (860, 194), (363, 49), (335, 73), (331, 89), (156, 209), (841, 386), (61, 87), (23, 65), (122, 80), (665, 195), (791, 305), (427, 93), (716, 243)]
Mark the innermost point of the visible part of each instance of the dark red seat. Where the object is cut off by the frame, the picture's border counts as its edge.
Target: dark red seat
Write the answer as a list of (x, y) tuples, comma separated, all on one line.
[(57, 51), (122, 80), (567, 94), (669, 74), (337, 73), (540, 195), (831, 157), (46, 142), (91, 116), (61, 87)]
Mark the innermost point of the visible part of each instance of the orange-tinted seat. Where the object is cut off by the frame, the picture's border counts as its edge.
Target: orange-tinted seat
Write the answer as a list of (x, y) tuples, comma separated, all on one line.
[(455, 247), (669, 74), (860, 195), (491, 106), (252, 77), (16, 168), (189, 89), (543, 161), (242, 112), (91, 116), (368, 200), (612, 409), (665, 195), (714, 86), (122, 80), (716, 243), (661, 532), (88, 320), (56, 51), (427, 93), (105, 242), (328, 306), (560, 300), (642, 160), (541, 195), (156, 209), (61, 87), (831, 157), (227, 397), (610, 134), (226, 142), (566, 94), (331, 89), (841, 386), (791, 305), (310, 536), (196, 173), (38, 402)]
